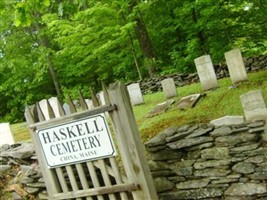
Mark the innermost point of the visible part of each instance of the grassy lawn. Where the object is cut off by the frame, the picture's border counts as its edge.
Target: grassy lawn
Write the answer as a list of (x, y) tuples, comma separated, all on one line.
[(218, 103)]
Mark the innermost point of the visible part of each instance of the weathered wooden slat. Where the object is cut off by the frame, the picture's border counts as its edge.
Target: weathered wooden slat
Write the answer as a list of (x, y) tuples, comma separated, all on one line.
[(105, 175), (71, 104), (72, 117), (129, 142), (62, 179), (82, 101), (79, 167), (95, 100), (40, 113), (51, 112), (72, 179), (50, 177), (117, 176), (98, 191), (94, 178)]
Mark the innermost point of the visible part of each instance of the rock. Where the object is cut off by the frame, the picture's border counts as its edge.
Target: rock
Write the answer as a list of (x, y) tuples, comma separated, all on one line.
[(25, 150), (188, 142), (162, 184), (244, 189), (211, 163), (215, 153), (233, 140), (193, 184), (213, 172), (244, 168), (202, 193)]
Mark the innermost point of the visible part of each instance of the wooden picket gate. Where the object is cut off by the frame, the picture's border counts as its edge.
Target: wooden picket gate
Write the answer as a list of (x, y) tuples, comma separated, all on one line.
[(102, 179)]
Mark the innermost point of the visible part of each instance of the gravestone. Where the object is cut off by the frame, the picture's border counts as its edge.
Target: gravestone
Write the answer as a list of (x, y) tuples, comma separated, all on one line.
[(101, 98), (254, 106), (89, 103), (236, 66), (6, 136), (206, 72), (227, 120), (160, 108), (189, 101), (66, 108), (135, 94), (169, 88)]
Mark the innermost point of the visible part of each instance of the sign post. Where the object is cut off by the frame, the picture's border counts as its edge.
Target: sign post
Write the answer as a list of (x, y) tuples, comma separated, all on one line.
[(77, 141)]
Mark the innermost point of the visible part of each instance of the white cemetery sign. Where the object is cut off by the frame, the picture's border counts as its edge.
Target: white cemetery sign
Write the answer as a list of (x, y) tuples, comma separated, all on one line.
[(254, 106), (206, 72), (77, 141), (135, 94), (236, 66), (169, 88), (5, 134)]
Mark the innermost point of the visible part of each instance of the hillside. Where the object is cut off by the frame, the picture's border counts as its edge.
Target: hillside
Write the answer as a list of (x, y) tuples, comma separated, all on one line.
[(217, 103)]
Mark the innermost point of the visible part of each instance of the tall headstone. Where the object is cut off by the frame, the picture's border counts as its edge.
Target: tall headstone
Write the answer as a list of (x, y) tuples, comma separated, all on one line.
[(236, 66), (135, 94), (6, 136), (254, 106), (206, 72), (169, 88)]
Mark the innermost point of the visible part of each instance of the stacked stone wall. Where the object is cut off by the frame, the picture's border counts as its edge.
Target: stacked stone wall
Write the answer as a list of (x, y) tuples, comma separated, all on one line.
[(207, 162)]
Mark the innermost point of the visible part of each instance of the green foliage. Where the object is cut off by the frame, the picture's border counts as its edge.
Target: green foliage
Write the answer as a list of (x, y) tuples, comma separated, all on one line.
[(79, 44)]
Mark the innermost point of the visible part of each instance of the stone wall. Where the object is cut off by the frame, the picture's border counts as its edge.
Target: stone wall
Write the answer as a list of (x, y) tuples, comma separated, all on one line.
[(20, 173), (207, 162), (188, 162), (154, 84)]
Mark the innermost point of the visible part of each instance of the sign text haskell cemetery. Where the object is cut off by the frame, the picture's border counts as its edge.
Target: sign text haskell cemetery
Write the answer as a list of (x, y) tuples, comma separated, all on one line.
[(77, 141)]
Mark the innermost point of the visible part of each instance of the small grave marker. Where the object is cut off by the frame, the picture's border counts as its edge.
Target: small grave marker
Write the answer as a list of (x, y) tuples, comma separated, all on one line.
[(189, 101), (236, 66), (160, 108), (206, 72), (254, 106), (169, 88), (135, 93), (6, 136)]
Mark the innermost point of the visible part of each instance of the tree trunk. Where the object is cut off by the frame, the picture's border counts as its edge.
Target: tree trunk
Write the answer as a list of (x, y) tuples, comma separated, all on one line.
[(133, 51), (50, 64), (200, 33), (144, 40)]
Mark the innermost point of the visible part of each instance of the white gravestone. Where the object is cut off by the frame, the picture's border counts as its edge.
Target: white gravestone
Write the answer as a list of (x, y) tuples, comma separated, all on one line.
[(135, 94), (66, 108), (236, 66), (89, 103), (101, 98), (206, 72), (254, 106), (169, 88), (5, 134)]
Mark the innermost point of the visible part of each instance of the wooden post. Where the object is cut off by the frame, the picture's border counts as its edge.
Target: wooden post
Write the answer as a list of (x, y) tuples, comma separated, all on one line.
[(129, 141)]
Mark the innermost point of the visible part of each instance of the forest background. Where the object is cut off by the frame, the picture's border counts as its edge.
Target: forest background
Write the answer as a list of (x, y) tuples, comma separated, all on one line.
[(59, 47)]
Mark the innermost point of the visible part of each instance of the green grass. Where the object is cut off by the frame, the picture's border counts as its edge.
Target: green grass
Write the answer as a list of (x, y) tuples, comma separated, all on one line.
[(218, 103)]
